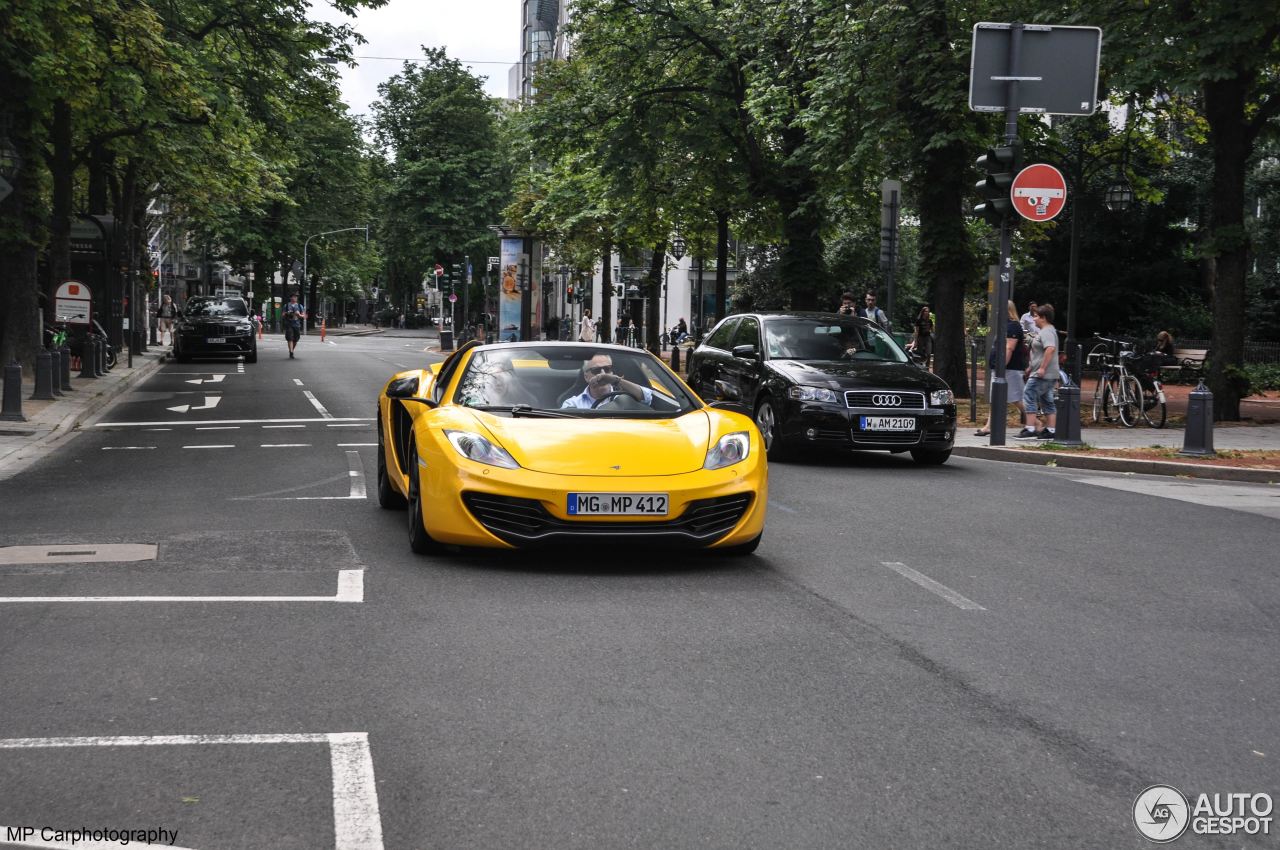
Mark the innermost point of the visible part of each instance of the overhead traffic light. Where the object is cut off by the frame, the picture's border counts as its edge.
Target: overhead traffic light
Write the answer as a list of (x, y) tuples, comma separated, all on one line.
[(1001, 165)]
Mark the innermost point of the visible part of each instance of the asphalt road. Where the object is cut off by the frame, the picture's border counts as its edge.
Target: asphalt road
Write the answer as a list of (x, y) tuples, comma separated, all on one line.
[(978, 655)]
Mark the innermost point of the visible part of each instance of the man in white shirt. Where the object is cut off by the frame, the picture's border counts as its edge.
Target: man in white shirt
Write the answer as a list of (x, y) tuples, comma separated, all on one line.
[(601, 381), (1028, 320)]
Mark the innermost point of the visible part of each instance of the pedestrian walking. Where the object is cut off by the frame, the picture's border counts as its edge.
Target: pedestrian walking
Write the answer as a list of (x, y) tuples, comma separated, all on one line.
[(1015, 358), (922, 342), (165, 314), (294, 316), (620, 332), (1042, 374), (586, 328), (1028, 320)]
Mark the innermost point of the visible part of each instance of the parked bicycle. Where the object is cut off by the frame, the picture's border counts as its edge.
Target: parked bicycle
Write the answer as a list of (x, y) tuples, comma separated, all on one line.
[(1118, 394)]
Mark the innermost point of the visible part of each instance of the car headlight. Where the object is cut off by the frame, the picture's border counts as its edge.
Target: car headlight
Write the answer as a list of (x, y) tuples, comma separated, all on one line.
[(245, 328), (813, 394), (475, 447), (731, 449), (186, 326), (937, 398)]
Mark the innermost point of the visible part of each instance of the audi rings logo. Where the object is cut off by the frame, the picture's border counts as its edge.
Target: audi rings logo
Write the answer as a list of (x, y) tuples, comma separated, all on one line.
[(887, 400), (1161, 813)]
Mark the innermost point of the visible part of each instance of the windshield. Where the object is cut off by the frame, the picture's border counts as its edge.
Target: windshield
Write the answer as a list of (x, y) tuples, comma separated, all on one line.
[(834, 338), (552, 380), (216, 307)]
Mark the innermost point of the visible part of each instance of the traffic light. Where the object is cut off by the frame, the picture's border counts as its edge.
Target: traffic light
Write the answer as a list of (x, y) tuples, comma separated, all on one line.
[(569, 291), (1001, 165)]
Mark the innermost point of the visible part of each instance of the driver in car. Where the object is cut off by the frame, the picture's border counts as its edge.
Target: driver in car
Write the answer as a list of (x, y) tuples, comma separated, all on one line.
[(602, 382)]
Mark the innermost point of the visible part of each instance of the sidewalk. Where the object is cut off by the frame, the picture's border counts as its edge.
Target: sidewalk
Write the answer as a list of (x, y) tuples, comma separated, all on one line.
[(49, 423)]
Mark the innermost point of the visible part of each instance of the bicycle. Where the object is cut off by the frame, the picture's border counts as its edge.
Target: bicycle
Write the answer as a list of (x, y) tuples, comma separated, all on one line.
[(1153, 408), (1116, 388)]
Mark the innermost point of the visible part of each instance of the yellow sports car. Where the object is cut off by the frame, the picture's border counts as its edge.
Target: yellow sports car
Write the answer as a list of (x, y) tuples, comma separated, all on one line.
[(517, 445)]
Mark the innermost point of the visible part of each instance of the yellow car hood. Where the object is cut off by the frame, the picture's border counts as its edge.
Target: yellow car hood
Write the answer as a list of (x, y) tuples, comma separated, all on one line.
[(605, 447)]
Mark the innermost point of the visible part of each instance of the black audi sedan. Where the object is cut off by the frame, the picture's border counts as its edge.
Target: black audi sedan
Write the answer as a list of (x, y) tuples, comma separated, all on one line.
[(215, 326), (825, 381)]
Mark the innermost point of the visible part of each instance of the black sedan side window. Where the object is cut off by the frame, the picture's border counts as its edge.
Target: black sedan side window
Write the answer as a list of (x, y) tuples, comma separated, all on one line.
[(721, 336), (748, 333)]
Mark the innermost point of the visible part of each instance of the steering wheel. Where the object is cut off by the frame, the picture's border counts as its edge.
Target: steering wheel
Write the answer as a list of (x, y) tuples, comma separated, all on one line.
[(609, 396)]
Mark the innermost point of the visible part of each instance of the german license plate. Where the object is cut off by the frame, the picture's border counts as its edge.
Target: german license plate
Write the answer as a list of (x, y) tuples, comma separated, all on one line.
[(888, 423), (617, 504), (215, 339)]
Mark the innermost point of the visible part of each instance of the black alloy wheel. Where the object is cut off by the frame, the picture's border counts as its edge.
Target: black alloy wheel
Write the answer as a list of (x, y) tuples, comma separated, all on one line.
[(419, 540)]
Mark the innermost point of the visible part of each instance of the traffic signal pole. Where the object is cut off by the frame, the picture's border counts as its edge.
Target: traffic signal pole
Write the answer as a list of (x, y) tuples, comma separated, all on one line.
[(1004, 280)]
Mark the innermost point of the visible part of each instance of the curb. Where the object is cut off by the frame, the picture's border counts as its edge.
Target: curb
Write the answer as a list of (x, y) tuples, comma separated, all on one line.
[(1073, 460)]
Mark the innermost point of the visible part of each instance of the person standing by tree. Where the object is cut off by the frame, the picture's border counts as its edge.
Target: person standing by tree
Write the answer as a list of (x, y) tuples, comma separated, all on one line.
[(922, 343), (294, 316)]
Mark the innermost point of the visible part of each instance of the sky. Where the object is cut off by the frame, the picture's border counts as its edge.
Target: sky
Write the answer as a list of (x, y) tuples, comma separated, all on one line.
[(476, 32)]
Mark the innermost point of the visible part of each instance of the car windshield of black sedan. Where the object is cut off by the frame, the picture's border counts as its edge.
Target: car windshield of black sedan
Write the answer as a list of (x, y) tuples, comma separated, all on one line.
[(821, 338), (553, 380), (216, 308)]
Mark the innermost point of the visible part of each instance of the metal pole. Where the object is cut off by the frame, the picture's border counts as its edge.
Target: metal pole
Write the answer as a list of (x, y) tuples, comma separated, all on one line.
[(666, 280), (1004, 280), (893, 253), (1073, 265)]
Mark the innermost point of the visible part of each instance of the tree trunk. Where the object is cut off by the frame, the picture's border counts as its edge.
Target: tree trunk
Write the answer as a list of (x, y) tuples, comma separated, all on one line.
[(20, 230), (606, 290), (657, 270), (946, 262), (62, 170), (99, 191), (801, 268), (722, 268), (1229, 241)]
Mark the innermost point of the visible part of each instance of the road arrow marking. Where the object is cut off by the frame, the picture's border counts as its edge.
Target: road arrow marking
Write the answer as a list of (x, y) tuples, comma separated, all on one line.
[(210, 402), (216, 379)]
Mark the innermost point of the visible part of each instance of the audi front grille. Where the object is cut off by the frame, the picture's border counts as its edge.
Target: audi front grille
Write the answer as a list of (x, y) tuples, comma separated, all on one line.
[(885, 399)]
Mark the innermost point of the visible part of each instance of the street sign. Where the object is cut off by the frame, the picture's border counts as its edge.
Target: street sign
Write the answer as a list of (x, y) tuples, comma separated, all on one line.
[(73, 303), (1039, 192), (453, 296), (439, 270), (1057, 69)]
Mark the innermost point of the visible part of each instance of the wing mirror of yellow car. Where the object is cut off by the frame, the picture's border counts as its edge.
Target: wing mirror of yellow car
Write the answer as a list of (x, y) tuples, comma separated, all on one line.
[(403, 387)]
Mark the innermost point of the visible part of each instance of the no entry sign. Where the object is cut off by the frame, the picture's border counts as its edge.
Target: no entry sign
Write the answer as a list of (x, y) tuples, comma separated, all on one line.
[(1039, 192)]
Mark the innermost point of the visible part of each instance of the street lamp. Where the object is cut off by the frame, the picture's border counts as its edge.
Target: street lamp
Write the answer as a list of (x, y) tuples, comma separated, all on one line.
[(1119, 195), (677, 251), (307, 244)]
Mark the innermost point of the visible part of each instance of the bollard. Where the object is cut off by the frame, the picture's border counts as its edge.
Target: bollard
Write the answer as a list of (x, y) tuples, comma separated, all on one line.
[(86, 358), (675, 359), (11, 410), (65, 377), (44, 377), (1197, 439), (973, 381), (1068, 430), (55, 371), (99, 356)]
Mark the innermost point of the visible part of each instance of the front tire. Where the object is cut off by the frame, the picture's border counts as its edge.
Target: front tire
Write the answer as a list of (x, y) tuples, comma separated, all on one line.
[(420, 541), (1130, 403), (767, 421), (252, 356), (930, 457)]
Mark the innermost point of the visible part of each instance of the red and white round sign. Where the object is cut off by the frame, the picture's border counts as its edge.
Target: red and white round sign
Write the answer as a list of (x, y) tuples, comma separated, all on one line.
[(1039, 192)]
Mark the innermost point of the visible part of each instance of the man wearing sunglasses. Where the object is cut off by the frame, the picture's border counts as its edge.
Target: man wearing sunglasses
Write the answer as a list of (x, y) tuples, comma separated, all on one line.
[(601, 381)]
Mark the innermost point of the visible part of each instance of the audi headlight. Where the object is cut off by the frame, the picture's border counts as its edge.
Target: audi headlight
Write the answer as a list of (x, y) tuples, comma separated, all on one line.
[(475, 447), (813, 394), (937, 398), (732, 448)]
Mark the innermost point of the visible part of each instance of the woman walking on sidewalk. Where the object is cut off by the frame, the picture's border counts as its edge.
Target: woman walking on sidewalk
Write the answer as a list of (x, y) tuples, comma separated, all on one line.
[(1015, 360)]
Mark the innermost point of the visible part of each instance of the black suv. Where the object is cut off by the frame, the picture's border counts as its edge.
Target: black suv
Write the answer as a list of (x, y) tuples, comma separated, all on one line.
[(215, 326), (822, 380)]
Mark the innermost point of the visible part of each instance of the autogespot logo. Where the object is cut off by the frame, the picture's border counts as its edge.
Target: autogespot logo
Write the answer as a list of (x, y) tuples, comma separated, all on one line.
[(886, 400), (1161, 813)]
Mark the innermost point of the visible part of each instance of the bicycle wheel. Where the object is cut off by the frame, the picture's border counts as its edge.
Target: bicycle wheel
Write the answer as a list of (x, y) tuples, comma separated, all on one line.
[(1099, 395), (1110, 400), (1130, 401), (1153, 409)]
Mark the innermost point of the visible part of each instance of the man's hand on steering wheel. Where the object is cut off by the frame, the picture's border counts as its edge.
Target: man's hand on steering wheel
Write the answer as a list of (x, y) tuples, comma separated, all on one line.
[(612, 395)]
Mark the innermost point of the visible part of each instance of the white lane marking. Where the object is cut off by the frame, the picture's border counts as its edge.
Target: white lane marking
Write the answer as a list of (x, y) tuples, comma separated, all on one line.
[(330, 342), (284, 446), (402, 365), (1249, 498), (159, 429), (355, 474), (210, 402), (283, 426), (298, 381), (782, 507), (78, 844), (356, 822), (77, 553), (218, 428), (214, 379), (357, 445), (228, 422), (349, 425), (317, 405), (350, 589), (240, 367), (218, 446), (126, 448), (956, 599)]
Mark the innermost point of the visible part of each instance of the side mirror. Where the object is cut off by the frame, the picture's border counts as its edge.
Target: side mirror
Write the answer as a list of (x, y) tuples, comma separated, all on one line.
[(732, 406), (727, 392), (747, 352), (403, 388)]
